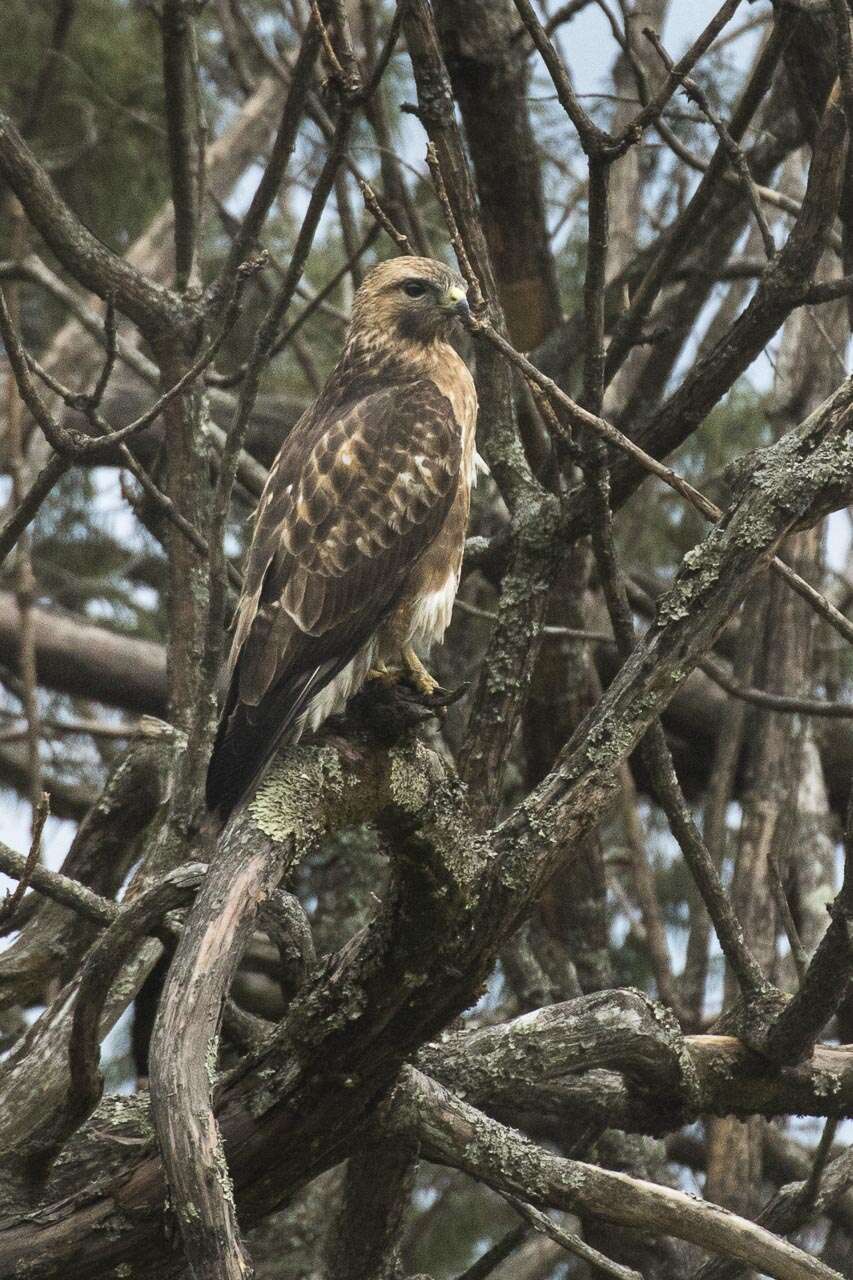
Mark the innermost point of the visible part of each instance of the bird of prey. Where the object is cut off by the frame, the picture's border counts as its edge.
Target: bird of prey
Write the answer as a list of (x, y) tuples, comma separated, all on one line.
[(359, 532)]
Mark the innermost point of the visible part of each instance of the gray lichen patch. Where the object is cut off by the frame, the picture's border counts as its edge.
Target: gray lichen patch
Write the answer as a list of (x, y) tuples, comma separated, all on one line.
[(223, 1174), (413, 773), (610, 740), (420, 786), (293, 800), (699, 570)]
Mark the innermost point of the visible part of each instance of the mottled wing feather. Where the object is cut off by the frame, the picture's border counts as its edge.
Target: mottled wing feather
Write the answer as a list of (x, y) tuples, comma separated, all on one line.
[(349, 506), (343, 525)]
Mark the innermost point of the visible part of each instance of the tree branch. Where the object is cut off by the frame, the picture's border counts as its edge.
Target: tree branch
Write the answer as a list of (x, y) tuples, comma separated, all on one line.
[(453, 1132), (148, 305)]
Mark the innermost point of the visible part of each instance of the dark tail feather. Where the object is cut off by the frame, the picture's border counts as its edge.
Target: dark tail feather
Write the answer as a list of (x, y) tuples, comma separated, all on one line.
[(246, 741), (248, 737)]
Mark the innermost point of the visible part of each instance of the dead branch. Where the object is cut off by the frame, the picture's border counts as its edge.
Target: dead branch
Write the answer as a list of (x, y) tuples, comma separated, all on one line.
[(453, 1132)]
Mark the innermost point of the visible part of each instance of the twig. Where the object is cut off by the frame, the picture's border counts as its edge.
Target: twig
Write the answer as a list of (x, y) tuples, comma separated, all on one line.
[(798, 954), (73, 444), (569, 1241), (470, 275), (40, 816), (555, 632), (60, 888), (814, 598), (592, 139), (776, 701), (580, 417), (320, 297), (492, 1258), (63, 441), (735, 154), (28, 506), (165, 504), (315, 303), (652, 111), (245, 241), (564, 14), (792, 1035), (328, 48), (71, 728), (577, 415), (767, 195), (680, 238), (160, 499), (371, 202), (746, 693), (702, 867), (88, 404), (645, 891), (110, 353), (34, 270)]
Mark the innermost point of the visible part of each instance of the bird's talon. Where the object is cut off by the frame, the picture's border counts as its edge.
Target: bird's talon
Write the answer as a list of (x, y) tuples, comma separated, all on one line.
[(425, 684), (417, 674), (383, 675)]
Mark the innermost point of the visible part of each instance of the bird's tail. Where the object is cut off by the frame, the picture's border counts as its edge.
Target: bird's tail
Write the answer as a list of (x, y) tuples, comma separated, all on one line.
[(246, 742), (248, 737)]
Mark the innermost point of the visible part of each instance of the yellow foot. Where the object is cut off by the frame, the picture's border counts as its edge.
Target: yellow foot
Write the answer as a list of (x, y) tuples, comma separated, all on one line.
[(417, 673), (384, 674)]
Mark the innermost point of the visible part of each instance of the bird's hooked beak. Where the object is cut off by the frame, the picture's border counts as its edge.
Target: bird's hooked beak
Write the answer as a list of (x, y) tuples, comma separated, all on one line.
[(455, 301)]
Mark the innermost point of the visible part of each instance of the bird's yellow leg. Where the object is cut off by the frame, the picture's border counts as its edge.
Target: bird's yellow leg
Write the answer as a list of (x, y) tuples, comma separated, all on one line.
[(417, 672)]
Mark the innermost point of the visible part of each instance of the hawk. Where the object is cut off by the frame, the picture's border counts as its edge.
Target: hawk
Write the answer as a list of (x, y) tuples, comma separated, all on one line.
[(359, 532)]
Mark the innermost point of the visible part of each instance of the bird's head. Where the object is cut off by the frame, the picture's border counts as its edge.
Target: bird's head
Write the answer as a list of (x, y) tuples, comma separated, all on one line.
[(410, 299)]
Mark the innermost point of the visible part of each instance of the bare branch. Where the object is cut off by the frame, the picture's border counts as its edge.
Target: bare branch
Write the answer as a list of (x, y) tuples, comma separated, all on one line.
[(246, 240), (183, 150), (569, 1241), (453, 1132), (149, 305), (58, 887), (13, 900), (798, 1026), (592, 139), (734, 152), (100, 969)]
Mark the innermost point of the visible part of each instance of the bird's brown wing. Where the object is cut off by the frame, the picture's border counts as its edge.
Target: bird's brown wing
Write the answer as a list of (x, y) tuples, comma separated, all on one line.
[(349, 506)]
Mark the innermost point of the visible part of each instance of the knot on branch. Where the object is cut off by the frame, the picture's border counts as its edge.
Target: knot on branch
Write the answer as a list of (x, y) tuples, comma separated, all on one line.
[(567, 1059), (751, 1018), (435, 101), (252, 265)]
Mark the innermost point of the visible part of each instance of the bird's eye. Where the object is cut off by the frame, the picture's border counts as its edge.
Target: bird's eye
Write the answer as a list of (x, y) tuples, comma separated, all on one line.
[(414, 288)]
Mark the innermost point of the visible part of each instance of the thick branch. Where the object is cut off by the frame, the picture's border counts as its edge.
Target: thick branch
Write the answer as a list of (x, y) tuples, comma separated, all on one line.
[(455, 1133), (89, 661), (149, 305)]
